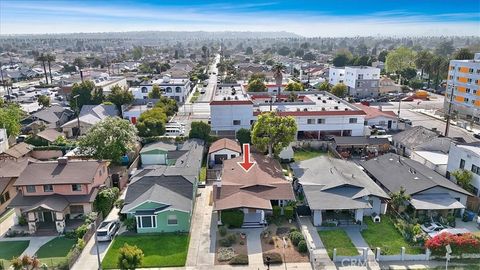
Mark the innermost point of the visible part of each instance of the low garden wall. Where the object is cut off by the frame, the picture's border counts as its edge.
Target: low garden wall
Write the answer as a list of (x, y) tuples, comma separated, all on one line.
[(403, 256)]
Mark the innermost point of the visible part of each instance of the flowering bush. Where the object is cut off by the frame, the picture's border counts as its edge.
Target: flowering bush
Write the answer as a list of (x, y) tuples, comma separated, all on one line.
[(461, 244)]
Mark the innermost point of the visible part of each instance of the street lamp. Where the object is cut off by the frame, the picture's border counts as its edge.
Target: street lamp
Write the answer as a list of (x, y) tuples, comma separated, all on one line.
[(78, 114)]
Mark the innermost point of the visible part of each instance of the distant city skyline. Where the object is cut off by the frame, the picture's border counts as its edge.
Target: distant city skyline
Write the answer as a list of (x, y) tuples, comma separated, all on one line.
[(306, 18)]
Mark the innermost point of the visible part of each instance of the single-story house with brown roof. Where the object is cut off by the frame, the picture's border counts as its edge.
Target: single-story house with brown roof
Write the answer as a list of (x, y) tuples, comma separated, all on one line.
[(255, 192), (223, 149)]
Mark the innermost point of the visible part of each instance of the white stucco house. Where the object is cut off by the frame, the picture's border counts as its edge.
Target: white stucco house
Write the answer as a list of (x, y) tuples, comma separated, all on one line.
[(223, 149), (467, 157)]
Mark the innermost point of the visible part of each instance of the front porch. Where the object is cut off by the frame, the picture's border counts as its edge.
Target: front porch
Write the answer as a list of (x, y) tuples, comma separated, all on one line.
[(344, 217)]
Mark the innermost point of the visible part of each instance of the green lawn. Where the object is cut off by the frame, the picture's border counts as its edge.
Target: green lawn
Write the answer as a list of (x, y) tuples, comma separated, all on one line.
[(55, 251), (10, 249), (203, 171), (338, 239), (160, 250), (385, 236), (194, 97), (304, 154)]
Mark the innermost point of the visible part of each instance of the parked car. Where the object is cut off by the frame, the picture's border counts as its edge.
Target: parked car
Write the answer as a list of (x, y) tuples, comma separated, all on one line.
[(107, 230), (202, 91), (476, 135), (455, 231), (432, 227)]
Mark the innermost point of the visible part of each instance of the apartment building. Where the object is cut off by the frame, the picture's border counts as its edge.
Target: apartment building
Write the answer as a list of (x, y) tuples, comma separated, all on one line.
[(463, 88), (319, 115), (175, 88), (465, 157), (336, 75), (362, 81)]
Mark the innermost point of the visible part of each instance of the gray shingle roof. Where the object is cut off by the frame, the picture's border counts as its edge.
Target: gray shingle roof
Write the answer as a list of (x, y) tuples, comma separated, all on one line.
[(414, 136), (330, 183), (440, 144), (394, 172), (163, 195)]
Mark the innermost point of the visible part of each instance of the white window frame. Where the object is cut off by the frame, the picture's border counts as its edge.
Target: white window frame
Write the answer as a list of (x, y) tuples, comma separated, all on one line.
[(140, 224)]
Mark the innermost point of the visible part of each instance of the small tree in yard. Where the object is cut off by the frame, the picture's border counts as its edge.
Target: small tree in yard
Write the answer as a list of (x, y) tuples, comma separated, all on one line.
[(464, 178), (155, 93), (398, 199), (200, 130), (109, 139), (256, 86), (243, 136), (119, 96), (152, 123), (273, 132), (130, 257), (44, 101), (105, 199), (339, 90)]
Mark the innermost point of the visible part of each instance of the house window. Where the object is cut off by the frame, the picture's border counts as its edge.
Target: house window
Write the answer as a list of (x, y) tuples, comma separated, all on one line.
[(47, 188), (233, 156), (144, 90), (169, 90), (76, 187), (310, 121), (352, 120), (462, 164), (76, 209), (321, 121), (236, 122), (178, 89), (31, 189), (146, 221), (475, 169), (172, 220)]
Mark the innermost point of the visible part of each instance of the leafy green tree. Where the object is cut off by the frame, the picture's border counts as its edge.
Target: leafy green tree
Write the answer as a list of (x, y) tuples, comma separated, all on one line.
[(445, 48), (309, 56), (342, 58), (400, 59), (464, 178), (257, 76), (119, 96), (169, 105), (105, 200), (463, 54), (44, 100), (324, 86), (299, 53), (339, 90), (249, 51), (294, 86), (273, 132), (137, 53), (109, 139), (79, 62), (422, 61), (155, 93), (256, 86), (408, 73), (84, 91), (152, 122), (10, 116), (382, 56), (415, 84), (243, 136), (439, 67), (97, 96), (200, 130), (284, 50), (398, 199), (129, 257)]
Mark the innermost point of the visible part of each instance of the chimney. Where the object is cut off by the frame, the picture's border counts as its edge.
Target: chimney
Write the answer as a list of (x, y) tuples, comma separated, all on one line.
[(62, 160)]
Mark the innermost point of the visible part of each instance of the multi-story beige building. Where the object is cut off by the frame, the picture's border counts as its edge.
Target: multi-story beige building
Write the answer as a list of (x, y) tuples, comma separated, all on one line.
[(464, 82)]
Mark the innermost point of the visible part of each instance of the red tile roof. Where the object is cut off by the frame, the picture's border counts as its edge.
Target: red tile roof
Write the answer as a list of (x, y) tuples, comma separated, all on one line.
[(374, 112), (225, 144)]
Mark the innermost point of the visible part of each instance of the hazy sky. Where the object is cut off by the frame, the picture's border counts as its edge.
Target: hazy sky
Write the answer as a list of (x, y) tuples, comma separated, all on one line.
[(308, 18)]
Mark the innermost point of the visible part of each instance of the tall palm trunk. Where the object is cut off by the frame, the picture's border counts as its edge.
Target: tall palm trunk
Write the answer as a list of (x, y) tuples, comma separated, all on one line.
[(45, 71), (50, 71)]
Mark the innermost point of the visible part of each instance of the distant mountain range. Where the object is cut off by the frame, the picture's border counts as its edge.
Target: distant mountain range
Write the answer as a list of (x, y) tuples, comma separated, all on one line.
[(174, 35)]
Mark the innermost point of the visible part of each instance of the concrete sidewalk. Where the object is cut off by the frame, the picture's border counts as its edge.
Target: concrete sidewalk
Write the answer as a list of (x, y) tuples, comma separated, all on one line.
[(321, 259), (254, 247), (359, 242), (201, 250)]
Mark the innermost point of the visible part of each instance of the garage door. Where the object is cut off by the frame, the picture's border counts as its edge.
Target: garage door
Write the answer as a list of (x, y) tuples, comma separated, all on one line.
[(220, 158)]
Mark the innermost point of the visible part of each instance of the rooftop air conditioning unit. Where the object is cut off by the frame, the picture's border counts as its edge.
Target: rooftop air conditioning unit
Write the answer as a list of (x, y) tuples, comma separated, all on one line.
[(329, 98), (305, 110), (324, 101), (323, 108), (336, 107)]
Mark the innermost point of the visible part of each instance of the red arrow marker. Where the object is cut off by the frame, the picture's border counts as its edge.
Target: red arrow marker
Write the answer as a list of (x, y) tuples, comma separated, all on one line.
[(246, 164)]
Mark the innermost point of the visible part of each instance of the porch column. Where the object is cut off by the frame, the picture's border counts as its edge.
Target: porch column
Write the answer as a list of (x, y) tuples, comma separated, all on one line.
[(32, 222), (60, 222), (317, 218), (359, 214), (219, 214)]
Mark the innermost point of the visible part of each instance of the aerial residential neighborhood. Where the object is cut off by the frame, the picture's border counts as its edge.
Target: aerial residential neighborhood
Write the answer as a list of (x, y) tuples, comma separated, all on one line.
[(239, 135)]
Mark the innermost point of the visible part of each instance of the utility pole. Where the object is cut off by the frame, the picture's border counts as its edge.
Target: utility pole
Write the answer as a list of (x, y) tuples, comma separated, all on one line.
[(78, 115), (449, 111)]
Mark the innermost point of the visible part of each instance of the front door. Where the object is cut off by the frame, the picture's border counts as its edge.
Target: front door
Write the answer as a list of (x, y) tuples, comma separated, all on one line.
[(47, 216), (389, 125)]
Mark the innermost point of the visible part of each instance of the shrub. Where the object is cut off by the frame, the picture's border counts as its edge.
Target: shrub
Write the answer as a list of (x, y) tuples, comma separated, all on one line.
[(240, 259), (222, 230), (225, 242), (225, 254), (293, 229), (277, 211), (296, 237), (234, 218), (80, 245), (22, 221), (130, 257), (130, 224), (302, 246), (288, 210), (105, 200), (81, 230), (119, 203), (271, 241), (232, 238), (461, 244), (275, 258)]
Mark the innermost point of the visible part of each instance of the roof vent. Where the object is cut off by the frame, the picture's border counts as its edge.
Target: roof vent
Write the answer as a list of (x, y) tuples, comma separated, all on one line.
[(336, 107), (323, 108), (305, 110)]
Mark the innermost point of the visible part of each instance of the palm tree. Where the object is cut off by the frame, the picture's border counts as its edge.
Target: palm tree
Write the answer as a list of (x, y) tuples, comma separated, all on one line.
[(422, 61), (438, 64), (43, 58), (50, 58), (398, 199), (278, 75)]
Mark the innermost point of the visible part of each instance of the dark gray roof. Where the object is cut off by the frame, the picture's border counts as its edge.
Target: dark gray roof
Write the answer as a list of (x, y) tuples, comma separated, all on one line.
[(394, 172), (330, 183), (52, 114), (101, 111), (414, 136), (359, 140), (160, 194), (440, 144)]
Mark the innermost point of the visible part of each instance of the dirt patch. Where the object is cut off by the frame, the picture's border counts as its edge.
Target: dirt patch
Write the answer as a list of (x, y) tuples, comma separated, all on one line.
[(274, 242), (238, 248)]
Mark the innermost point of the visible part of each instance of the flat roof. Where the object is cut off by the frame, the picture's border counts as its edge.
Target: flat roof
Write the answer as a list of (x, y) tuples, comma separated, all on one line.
[(230, 93)]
